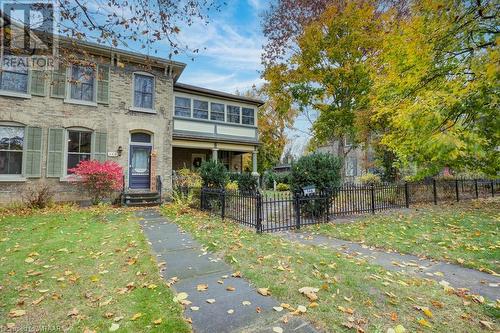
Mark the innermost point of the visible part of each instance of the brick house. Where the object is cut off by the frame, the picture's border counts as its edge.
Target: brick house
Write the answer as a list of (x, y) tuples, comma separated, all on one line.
[(125, 107)]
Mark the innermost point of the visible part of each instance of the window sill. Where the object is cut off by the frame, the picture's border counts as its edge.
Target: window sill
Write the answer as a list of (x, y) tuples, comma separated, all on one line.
[(78, 102), (12, 179), (14, 94), (135, 109), (69, 179)]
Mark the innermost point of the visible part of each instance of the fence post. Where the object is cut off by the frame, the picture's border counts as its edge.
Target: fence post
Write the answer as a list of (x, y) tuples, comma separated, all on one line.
[(223, 204), (258, 207), (297, 210), (407, 196), (492, 189), (434, 191), (202, 197), (456, 189), (372, 189), (475, 187)]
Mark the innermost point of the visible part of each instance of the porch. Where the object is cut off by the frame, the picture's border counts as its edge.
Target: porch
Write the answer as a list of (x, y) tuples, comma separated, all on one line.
[(236, 157)]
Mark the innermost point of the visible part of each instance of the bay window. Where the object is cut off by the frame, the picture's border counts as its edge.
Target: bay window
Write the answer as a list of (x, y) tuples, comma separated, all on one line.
[(11, 150)]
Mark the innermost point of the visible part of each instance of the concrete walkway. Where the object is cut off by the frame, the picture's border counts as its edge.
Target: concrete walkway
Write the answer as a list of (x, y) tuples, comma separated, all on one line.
[(457, 276), (187, 260)]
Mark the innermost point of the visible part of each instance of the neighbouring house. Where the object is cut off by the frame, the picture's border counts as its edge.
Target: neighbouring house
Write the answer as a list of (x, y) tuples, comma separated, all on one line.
[(357, 159), (125, 107)]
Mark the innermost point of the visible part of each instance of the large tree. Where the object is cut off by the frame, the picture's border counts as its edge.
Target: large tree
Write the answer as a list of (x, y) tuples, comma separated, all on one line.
[(272, 122), (436, 86), (329, 70)]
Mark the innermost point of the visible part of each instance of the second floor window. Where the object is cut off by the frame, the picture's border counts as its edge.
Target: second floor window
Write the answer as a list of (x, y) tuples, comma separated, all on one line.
[(143, 91), (233, 114), (79, 147), (82, 83), (200, 109), (182, 107), (11, 150), (14, 81), (217, 111), (248, 117)]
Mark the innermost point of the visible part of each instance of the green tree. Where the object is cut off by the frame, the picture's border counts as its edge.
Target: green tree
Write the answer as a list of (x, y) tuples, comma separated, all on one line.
[(330, 71), (436, 86)]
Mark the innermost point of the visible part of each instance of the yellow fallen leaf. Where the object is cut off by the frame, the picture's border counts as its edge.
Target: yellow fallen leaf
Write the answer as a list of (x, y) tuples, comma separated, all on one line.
[(136, 316), (427, 312), (264, 291), (157, 321), (230, 288), (202, 287), (29, 260), (180, 297), (16, 313), (424, 322)]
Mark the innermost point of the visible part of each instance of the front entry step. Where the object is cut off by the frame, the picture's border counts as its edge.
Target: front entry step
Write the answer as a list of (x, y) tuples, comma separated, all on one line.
[(141, 199)]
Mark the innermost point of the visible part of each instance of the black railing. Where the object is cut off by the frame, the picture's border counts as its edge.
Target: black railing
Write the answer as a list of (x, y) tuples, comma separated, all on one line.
[(268, 211)]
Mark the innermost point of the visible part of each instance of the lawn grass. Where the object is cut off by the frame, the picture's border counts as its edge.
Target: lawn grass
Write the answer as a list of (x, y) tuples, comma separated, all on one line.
[(466, 233), (81, 271), (352, 293)]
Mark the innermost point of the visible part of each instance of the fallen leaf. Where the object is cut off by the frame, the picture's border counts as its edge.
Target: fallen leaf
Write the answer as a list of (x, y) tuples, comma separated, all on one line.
[(246, 303), (114, 327), (210, 301), (202, 287), (277, 329), (16, 313), (73, 312), (264, 291), (301, 309), (230, 311), (194, 308), (310, 293), (424, 322), (180, 297), (487, 324), (230, 288), (136, 316), (157, 321), (29, 260), (38, 300), (236, 274), (399, 329), (278, 308), (427, 312)]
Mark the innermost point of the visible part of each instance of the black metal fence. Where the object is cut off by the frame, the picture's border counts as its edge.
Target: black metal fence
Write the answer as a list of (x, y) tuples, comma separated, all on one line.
[(271, 211)]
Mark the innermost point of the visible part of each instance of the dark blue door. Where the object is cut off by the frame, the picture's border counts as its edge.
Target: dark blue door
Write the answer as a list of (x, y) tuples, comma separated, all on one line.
[(140, 166)]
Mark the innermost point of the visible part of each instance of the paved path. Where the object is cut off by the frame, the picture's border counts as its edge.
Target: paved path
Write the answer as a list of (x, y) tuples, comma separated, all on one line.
[(458, 277), (186, 260)]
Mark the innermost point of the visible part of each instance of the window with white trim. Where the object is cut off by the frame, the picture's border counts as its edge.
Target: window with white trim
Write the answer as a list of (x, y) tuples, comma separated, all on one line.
[(233, 114), (182, 106), (248, 116), (11, 150), (143, 91), (200, 109), (351, 166), (217, 111), (79, 148), (14, 81), (82, 83)]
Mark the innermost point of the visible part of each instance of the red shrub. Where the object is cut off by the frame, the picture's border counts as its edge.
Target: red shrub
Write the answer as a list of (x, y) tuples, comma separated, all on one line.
[(100, 180)]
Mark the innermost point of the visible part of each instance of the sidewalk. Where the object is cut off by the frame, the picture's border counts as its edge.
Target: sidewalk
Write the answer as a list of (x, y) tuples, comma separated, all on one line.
[(457, 276), (186, 260)]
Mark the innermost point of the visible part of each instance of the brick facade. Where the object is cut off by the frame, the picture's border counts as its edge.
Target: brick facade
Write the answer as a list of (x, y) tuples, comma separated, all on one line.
[(114, 119)]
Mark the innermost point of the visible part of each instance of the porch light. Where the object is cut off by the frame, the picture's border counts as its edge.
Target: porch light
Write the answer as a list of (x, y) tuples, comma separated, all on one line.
[(120, 150)]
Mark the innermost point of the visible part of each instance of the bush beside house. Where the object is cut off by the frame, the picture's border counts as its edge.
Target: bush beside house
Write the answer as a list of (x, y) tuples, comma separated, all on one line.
[(99, 179)]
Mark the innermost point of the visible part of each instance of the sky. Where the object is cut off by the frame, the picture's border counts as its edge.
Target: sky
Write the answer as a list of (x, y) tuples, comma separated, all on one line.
[(230, 48)]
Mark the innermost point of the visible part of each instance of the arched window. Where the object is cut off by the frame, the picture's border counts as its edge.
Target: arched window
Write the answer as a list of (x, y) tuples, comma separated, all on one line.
[(140, 137)]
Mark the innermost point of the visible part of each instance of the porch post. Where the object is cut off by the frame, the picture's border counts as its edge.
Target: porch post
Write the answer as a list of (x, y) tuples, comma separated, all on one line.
[(214, 154), (254, 164)]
